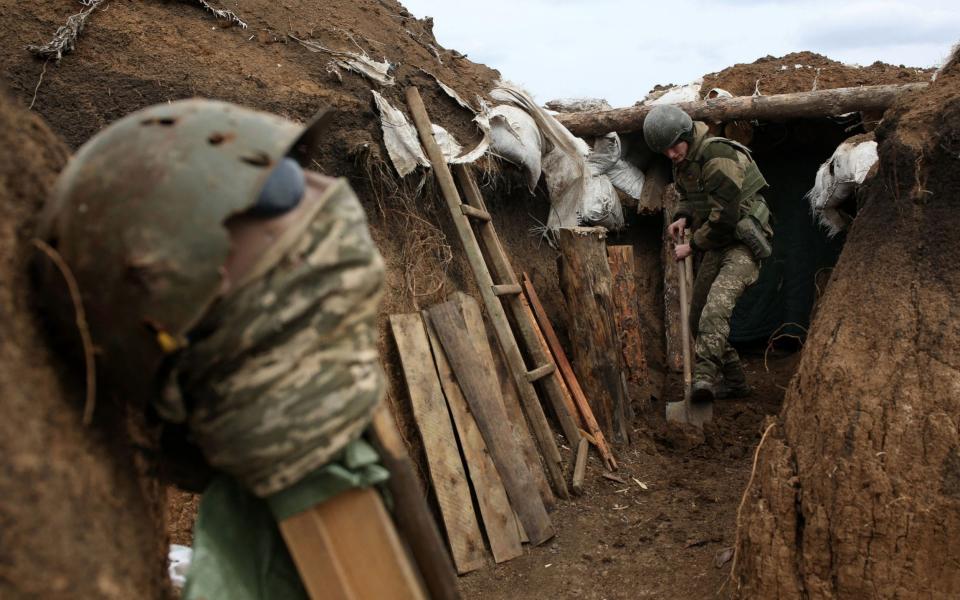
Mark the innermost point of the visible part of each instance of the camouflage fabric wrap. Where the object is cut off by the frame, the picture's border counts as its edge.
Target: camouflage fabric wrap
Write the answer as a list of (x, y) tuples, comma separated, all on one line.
[(718, 185), (723, 276), (283, 373)]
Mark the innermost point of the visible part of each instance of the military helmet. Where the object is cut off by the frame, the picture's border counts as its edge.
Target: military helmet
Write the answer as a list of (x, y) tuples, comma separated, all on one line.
[(664, 125), (138, 216)]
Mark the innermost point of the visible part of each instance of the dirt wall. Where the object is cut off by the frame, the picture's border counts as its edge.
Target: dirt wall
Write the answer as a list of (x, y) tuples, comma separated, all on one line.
[(856, 494), (78, 519)]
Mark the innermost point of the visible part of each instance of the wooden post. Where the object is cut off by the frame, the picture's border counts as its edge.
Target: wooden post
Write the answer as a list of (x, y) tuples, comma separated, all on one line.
[(779, 107), (627, 313), (580, 467), (413, 517), (656, 179), (586, 284), (671, 291), (337, 544)]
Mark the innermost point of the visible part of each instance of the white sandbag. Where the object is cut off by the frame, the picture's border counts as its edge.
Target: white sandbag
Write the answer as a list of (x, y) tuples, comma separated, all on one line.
[(400, 138), (837, 180), (577, 195), (608, 159), (675, 94), (514, 136), (179, 558)]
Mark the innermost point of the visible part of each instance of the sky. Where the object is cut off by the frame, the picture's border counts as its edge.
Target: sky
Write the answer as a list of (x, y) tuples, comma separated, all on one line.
[(618, 50)]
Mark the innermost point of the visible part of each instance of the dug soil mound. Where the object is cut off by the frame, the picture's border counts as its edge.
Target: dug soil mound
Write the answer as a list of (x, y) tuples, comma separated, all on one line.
[(76, 518), (804, 72), (857, 491)]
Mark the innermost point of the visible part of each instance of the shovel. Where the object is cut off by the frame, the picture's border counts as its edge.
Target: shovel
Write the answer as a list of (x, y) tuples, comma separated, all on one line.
[(685, 411)]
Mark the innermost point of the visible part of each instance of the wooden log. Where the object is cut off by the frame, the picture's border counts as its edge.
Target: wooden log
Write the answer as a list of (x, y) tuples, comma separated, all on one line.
[(478, 388), (439, 443), (518, 369), (780, 107), (337, 544), (490, 354), (656, 179), (627, 313), (580, 466), (495, 512), (596, 436), (413, 518), (671, 290), (587, 286)]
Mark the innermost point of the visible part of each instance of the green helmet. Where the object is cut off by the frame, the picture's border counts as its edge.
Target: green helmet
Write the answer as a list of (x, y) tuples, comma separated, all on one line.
[(138, 216), (664, 125)]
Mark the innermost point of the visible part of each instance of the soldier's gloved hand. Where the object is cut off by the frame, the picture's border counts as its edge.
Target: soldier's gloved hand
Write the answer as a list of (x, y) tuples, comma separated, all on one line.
[(682, 251), (677, 227)]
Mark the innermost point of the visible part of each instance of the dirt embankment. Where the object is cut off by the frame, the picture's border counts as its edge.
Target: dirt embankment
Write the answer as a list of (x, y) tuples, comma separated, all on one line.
[(806, 71), (77, 519), (857, 491)]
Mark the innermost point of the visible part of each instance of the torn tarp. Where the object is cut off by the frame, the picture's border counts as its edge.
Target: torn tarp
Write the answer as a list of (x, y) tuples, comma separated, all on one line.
[(378, 71), (400, 138)]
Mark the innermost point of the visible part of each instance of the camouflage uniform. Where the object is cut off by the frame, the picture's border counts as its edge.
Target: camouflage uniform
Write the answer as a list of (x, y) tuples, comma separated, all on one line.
[(718, 181)]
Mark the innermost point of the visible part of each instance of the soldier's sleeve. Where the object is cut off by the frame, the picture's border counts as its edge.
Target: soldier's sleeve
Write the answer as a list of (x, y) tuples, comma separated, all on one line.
[(722, 180)]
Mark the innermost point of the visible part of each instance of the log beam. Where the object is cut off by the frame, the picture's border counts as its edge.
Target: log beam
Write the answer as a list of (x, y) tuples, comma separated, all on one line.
[(779, 107)]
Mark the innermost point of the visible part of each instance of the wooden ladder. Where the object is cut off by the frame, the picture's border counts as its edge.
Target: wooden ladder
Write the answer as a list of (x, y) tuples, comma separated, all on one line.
[(509, 290)]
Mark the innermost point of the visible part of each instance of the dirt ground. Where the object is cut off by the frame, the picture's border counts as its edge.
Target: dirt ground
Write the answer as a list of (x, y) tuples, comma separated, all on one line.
[(621, 541)]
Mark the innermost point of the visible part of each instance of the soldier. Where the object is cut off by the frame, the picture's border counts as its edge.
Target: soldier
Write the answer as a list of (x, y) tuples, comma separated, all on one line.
[(719, 185), (229, 291)]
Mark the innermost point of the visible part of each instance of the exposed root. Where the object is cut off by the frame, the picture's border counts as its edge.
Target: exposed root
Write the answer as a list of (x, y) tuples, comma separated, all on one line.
[(221, 13), (777, 336), (82, 327), (39, 81), (743, 499), (65, 39)]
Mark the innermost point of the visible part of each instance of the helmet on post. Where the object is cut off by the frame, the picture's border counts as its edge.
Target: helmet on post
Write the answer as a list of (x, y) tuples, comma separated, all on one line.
[(664, 125), (138, 216)]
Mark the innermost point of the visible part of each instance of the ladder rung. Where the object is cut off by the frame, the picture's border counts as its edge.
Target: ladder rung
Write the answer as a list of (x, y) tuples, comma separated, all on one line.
[(541, 372), (474, 213), (507, 289)]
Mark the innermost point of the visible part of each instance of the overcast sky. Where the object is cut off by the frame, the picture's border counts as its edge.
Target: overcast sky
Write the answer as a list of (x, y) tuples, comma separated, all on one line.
[(618, 50)]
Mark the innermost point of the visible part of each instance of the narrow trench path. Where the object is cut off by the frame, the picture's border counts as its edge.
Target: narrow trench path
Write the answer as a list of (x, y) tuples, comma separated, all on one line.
[(624, 540)]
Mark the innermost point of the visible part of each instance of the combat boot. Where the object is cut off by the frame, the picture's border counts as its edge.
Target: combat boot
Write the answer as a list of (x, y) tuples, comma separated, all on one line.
[(702, 391)]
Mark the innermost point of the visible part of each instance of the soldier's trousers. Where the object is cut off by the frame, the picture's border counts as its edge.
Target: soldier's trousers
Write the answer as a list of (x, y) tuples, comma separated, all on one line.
[(721, 279)]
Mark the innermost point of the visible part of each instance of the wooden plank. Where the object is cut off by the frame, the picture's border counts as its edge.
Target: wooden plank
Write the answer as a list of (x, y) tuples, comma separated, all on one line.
[(413, 518), (627, 313), (495, 511), (443, 456), (541, 372), (509, 289), (337, 544), (474, 213), (481, 392), (580, 466), (489, 354), (593, 428), (528, 395)]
